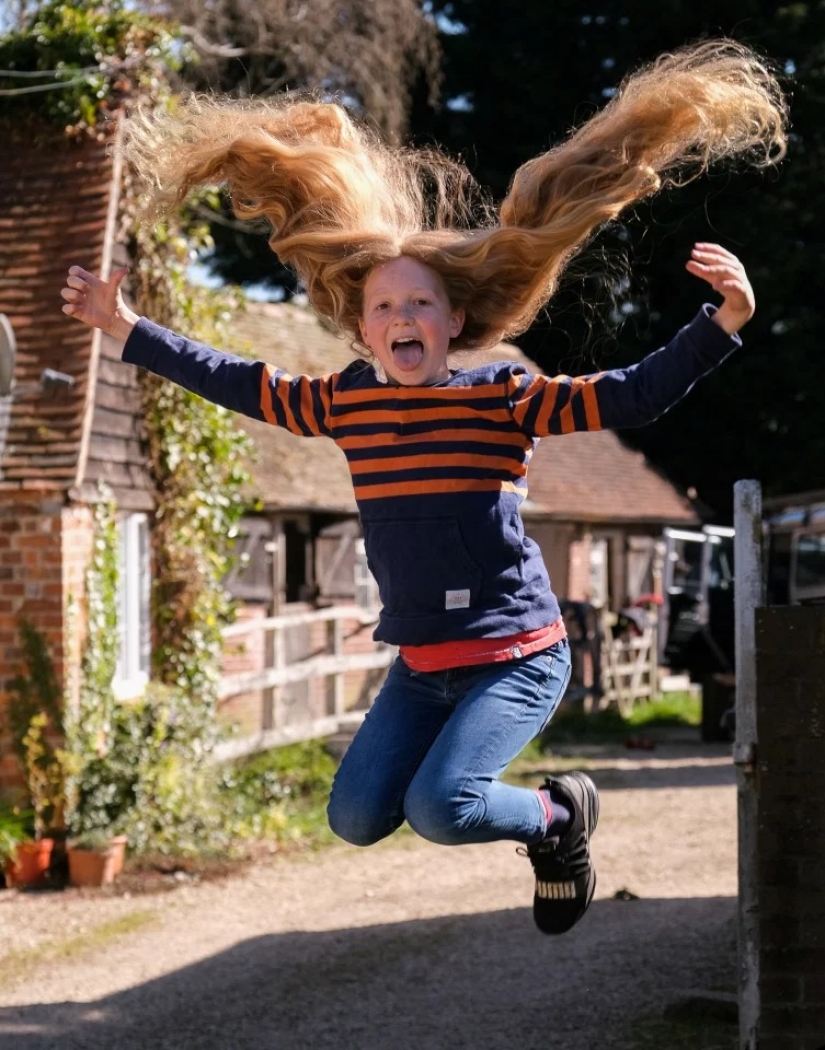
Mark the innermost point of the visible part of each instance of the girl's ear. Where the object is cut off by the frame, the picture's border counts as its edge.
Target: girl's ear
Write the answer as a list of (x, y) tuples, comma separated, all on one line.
[(456, 323), (362, 329)]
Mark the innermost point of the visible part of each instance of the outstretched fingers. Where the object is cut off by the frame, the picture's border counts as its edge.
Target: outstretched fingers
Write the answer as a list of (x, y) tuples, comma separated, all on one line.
[(92, 300), (75, 290), (724, 272)]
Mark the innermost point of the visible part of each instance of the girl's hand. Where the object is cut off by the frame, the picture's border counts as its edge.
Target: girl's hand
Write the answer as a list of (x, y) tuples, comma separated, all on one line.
[(726, 275), (98, 303)]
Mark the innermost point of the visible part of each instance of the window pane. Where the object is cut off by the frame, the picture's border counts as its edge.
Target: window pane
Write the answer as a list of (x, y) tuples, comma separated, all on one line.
[(134, 629), (810, 561), (144, 587)]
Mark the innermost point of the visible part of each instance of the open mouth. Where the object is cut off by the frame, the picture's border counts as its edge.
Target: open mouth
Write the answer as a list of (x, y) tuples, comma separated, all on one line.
[(407, 353)]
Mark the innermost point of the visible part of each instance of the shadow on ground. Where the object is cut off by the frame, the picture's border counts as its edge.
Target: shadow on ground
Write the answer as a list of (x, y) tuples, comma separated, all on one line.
[(487, 982)]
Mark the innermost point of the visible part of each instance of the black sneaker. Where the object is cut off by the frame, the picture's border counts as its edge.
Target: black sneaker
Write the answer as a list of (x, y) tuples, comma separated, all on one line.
[(565, 878)]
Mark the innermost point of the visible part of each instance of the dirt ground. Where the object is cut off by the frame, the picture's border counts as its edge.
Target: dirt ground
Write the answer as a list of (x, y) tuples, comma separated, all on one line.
[(404, 946)]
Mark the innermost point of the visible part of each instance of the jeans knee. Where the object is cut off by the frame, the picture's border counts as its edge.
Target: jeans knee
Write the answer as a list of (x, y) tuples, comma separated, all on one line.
[(438, 818), (355, 826)]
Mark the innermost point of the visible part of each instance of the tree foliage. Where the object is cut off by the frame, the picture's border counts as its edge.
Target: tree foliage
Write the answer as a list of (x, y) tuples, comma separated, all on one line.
[(370, 52)]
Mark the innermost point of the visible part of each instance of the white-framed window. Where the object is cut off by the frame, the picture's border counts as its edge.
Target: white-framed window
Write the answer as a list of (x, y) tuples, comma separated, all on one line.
[(134, 629), (599, 566), (366, 587)]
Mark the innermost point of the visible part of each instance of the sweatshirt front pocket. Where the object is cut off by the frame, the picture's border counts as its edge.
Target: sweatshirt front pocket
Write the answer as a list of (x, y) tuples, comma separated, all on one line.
[(422, 566)]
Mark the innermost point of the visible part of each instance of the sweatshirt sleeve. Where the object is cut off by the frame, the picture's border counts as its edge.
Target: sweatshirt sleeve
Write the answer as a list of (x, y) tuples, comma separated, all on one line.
[(623, 397), (299, 404)]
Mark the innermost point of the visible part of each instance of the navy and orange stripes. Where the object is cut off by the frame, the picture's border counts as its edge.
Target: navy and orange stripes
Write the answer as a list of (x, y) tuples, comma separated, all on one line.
[(476, 434), (300, 405), (558, 405)]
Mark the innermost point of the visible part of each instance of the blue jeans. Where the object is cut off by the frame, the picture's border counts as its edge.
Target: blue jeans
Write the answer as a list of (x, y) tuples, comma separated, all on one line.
[(433, 745)]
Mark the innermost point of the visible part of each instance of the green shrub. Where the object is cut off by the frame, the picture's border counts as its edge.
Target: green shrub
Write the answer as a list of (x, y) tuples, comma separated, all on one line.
[(281, 793), (155, 782)]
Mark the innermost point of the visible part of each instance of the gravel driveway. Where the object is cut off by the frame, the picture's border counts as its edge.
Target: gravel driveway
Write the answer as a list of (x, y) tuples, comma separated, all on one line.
[(403, 946)]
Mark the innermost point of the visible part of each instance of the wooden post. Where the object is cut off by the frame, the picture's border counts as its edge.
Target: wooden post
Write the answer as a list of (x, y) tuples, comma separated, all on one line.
[(274, 638), (335, 682), (749, 593)]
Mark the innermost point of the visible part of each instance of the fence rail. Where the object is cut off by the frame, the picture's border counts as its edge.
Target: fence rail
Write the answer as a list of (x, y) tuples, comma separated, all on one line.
[(330, 666)]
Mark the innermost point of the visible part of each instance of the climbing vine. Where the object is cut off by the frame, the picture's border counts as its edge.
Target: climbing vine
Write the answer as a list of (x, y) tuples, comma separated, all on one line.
[(197, 455), (89, 721)]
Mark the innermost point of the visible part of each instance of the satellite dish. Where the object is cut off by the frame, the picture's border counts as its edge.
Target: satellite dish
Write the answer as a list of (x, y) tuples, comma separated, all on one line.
[(8, 349)]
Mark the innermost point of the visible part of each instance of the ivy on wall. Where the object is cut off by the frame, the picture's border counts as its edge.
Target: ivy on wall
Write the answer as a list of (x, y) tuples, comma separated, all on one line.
[(142, 767), (197, 455)]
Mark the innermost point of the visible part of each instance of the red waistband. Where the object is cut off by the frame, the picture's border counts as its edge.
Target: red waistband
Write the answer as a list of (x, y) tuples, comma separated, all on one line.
[(470, 651)]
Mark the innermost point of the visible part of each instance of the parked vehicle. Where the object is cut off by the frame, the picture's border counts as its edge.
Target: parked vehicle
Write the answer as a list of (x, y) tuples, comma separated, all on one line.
[(697, 618), (796, 549)]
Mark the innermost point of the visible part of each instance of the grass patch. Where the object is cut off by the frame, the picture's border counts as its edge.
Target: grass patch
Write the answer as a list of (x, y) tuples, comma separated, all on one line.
[(671, 710), (22, 964)]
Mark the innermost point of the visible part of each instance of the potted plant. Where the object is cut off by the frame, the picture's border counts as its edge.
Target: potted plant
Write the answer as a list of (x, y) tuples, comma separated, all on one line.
[(96, 858), (35, 714), (15, 831)]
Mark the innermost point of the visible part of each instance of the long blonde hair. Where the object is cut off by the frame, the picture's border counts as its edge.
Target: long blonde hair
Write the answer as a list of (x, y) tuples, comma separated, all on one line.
[(340, 202)]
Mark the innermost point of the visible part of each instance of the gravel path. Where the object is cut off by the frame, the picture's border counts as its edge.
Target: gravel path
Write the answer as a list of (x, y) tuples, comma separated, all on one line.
[(404, 946)]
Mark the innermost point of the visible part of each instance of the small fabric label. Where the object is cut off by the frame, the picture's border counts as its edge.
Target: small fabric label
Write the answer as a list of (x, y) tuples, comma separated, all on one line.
[(456, 599)]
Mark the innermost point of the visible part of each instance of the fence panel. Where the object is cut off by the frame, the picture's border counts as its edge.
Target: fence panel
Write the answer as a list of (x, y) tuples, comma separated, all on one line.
[(326, 664)]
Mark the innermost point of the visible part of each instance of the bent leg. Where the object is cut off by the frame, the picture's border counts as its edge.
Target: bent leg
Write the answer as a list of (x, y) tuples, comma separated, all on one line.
[(367, 799), (456, 796)]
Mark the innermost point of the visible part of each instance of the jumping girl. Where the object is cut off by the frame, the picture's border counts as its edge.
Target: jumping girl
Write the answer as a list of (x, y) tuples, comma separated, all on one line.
[(397, 248)]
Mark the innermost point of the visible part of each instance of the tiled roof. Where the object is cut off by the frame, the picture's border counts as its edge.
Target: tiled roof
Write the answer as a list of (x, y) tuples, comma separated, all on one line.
[(55, 195), (598, 478), (580, 477)]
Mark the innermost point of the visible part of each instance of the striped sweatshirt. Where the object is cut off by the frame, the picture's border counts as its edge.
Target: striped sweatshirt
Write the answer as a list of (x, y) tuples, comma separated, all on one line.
[(440, 471)]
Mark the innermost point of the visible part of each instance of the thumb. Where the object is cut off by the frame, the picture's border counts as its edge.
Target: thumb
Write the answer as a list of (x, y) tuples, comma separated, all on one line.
[(117, 276)]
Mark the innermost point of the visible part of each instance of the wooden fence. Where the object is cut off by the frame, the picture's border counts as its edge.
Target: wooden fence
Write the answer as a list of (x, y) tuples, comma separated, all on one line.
[(331, 666), (629, 669)]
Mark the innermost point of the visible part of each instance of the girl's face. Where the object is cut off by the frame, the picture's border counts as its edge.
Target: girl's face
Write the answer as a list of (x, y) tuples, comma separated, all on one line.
[(408, 322)]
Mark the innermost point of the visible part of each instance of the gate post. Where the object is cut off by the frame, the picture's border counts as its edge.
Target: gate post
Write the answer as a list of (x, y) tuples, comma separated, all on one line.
[(748, 595)]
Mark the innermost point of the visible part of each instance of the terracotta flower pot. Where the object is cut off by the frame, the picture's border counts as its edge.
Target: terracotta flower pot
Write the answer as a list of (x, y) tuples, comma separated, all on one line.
[(96, 867), (30, 866)]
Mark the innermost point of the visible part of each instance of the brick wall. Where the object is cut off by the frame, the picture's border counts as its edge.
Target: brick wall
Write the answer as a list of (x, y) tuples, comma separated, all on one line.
[(790, 673), (43, 551), (30, 589)]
